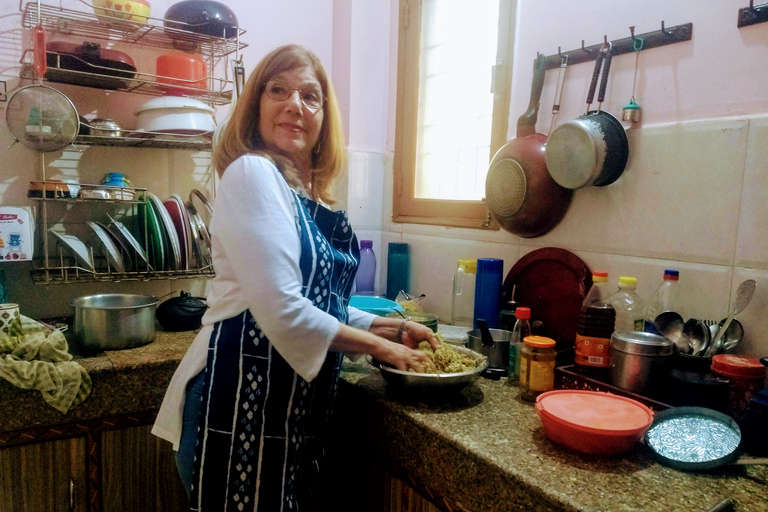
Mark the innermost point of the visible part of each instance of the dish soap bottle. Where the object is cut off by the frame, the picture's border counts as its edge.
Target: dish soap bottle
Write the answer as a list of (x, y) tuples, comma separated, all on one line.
[(594, 329), (668, 297), (628, 306)]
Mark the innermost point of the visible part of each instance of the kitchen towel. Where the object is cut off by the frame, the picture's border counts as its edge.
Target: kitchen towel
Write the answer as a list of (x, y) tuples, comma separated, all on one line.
[(39, 359)]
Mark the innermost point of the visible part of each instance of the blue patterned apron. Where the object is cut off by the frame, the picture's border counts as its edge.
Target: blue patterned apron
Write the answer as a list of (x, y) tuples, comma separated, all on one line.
[(259, 438)]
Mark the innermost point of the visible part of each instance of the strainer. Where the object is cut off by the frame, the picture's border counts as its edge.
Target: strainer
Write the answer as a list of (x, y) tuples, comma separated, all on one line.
[(38, 116), (505, 187)]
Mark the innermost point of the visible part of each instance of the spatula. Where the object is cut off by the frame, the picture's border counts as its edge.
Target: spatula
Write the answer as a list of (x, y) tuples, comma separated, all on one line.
[(743, 295)]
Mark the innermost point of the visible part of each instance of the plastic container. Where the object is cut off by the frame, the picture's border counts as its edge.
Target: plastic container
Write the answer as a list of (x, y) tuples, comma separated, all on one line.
[(746, 376), (537, 366), (628, 305), (593, 422), (520, 331), (463, 304), (668, 297), (428, 319), (488, 291), (594, 329), (366, 273), (398, 269), (640, 362)]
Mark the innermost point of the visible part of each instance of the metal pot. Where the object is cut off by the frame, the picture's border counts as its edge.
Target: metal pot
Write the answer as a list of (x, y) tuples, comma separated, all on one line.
[(114, 321), (175, 114), (640, 361), (591, 150), (498, 353)]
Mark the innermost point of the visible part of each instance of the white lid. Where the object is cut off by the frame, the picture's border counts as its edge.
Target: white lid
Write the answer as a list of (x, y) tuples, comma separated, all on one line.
[(174, 102)]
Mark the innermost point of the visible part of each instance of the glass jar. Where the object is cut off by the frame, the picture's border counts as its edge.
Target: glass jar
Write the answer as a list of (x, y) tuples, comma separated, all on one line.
[(537, 367)]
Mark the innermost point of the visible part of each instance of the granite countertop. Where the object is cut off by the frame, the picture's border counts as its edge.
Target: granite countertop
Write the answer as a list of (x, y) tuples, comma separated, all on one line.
[(482, 448)]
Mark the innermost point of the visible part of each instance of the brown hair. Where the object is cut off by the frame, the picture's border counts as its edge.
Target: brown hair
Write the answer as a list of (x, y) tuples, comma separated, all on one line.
[(241, 134)]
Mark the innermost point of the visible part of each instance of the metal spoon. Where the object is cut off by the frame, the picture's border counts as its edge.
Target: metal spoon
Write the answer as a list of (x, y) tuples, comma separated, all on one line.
[(699, 335), (743, 295), (670, 324), (733, 335)]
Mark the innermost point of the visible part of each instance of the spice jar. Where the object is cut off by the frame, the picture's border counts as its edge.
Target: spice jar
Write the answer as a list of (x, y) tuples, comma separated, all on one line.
[(537, 366), (746, 376)]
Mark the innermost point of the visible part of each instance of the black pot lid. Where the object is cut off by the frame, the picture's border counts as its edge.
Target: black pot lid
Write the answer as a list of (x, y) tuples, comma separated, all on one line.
[(693, 438)]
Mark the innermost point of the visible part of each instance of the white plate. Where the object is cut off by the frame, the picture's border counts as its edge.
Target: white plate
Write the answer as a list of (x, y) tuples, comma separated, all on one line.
[(125, 236), (78, 248), (170, 231), (108, 247), (123, 249)]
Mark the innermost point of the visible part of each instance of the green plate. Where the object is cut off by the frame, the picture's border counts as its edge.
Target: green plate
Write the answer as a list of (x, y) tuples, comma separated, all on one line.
[(154, 245)]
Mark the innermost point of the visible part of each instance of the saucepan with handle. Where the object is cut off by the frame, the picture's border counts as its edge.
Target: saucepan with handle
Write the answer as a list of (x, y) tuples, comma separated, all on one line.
[(591, 150)]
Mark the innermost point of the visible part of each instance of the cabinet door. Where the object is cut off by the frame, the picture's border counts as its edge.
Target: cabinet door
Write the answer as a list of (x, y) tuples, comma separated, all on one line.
[(139, 472), (43, 477)]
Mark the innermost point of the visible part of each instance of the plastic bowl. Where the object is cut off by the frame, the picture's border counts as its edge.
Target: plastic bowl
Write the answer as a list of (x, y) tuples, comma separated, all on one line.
[(592, 422), (375, 305), (181, 69), (130, 10)]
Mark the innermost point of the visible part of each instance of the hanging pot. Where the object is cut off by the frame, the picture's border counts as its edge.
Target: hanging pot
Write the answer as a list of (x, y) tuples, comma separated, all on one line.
[(521, 195), (591, 150)]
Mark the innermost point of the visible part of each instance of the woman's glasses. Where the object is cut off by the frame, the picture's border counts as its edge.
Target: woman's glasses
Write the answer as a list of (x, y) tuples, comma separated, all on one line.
[(312, 98)]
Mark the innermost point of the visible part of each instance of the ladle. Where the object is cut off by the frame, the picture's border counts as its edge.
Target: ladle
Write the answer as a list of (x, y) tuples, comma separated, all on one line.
[(699, 335), (743, 295), (670, 325)]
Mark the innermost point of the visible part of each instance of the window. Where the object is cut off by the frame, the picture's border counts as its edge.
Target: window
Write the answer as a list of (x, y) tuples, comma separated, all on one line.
[(453, 83)]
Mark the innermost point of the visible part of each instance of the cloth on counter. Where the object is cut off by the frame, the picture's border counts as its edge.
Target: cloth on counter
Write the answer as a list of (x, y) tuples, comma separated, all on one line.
[(39, 359)]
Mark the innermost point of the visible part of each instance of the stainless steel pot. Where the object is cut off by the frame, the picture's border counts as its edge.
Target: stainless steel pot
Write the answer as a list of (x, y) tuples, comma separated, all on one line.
[(640, 361), (498, 353), (114, 321)]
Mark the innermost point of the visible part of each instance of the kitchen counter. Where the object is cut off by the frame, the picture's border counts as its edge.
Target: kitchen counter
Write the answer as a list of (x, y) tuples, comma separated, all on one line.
[(482, 449)]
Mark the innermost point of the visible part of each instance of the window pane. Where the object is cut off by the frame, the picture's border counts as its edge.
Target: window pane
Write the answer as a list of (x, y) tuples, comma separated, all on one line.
[(458, 51)]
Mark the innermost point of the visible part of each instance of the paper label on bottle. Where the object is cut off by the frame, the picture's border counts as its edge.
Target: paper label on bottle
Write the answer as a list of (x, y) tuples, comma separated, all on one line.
[(541, 376), (591, 351)]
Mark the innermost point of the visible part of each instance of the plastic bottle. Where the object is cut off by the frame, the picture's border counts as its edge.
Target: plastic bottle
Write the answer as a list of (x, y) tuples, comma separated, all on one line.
[(366, 272), (398, 269), (463, 305), (488, 291), (594, 329), (520, 331), (628, 306), (668, 297)]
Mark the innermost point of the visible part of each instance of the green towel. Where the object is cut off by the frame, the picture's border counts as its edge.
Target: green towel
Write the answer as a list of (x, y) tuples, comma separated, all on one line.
[(40, 359)]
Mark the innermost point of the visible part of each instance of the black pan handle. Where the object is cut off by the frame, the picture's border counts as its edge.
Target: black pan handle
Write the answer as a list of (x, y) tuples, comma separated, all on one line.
[(526, 124), (593, 83), (606, 68)]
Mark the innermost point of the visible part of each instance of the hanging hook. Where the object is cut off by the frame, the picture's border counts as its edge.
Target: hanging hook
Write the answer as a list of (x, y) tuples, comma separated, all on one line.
[(586, 49), (670, 33), (559, 54), (605, 39), (637, 42), (751, 5)]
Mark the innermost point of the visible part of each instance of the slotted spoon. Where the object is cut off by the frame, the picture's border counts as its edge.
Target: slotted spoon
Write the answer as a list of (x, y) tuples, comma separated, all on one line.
[(743, 296)]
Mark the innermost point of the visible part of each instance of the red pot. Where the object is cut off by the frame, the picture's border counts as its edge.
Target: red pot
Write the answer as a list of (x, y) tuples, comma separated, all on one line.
[(182, 69)]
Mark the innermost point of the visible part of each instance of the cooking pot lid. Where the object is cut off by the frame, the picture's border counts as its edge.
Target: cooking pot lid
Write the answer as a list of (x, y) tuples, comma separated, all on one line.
[(573, 155), (693, 438), (641, 343), (174, 102)]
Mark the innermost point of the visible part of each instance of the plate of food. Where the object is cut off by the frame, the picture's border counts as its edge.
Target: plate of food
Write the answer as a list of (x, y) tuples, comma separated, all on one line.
[(455, 368)]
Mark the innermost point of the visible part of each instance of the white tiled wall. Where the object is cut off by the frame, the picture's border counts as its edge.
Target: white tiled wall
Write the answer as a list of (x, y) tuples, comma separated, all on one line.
[(694, 197)]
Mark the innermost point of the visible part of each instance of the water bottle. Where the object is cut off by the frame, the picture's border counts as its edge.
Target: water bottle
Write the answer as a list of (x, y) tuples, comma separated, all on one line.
[(398, 269), (520, 331), (668, 297), (366, 272), (594, 328), (628, 306), (488, 291), (463, 305)]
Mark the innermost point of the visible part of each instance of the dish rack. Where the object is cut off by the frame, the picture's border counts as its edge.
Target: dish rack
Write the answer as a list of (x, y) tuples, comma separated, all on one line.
[(57, 265)]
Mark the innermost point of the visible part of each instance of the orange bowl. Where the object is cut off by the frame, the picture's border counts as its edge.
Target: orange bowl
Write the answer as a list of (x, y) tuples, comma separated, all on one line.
[(181, 69), (593, 422)]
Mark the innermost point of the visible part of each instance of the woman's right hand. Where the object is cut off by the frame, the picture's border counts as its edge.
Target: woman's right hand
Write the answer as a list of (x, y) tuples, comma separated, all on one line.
[(402, 357)]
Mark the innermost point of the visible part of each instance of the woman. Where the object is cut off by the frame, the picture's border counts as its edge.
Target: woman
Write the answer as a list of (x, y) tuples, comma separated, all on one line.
[(246, 407)]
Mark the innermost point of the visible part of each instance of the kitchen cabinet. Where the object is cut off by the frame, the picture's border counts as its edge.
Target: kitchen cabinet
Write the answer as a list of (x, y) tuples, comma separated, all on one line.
[(44, 477)]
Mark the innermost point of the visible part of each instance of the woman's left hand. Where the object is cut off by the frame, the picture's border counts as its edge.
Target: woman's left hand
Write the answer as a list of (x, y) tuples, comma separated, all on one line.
[(414, 333)]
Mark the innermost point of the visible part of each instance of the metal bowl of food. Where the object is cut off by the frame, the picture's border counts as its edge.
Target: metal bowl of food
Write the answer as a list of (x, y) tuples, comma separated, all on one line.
[(434, 383)]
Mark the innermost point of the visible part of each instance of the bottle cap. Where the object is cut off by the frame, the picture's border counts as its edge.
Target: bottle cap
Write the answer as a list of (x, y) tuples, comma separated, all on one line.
[(469, 266), (366, 244), (628, 281), (523, 313), (490, 266), (672, 275), (600, 277), (398, 248), (539, 341)]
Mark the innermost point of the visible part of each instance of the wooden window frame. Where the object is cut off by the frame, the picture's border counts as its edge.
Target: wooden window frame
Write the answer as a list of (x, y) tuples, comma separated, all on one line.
[(407, 208)]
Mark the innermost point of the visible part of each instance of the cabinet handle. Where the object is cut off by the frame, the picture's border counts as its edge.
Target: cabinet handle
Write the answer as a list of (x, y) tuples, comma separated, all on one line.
[(71, 494)]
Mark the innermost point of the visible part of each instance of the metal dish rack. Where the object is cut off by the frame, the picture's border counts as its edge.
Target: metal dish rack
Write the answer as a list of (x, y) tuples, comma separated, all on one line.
[(59, 267)]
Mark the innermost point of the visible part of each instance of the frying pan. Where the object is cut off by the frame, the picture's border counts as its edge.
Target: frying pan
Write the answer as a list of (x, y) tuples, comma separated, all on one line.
[(95, 65), (521, 195), (591, 150)]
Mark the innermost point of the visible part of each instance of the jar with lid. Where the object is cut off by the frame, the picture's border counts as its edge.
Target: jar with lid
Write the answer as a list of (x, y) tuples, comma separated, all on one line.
[(463, 305), (537, 367), (746, 376)]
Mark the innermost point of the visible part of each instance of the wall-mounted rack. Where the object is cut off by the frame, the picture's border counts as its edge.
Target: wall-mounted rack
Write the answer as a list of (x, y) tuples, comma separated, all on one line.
[(752, 15), (633, 43)]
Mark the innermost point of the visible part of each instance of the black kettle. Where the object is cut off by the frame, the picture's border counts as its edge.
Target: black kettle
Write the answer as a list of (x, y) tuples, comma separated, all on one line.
[(183, 313)]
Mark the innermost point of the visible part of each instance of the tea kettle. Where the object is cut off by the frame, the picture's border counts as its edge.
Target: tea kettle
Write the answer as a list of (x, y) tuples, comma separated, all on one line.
[(183, 313)]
